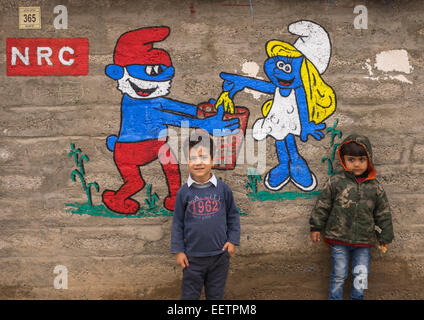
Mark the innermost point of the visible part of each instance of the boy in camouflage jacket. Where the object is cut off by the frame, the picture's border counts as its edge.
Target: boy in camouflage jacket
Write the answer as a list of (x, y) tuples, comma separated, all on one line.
[(351, 213)]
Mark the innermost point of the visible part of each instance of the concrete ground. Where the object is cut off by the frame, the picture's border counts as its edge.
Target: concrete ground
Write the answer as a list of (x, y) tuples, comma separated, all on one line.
[(271, 277)]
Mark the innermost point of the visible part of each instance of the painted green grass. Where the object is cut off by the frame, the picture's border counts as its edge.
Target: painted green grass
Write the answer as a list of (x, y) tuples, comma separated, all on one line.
[(81, 208), (102, 211), (266, 195)]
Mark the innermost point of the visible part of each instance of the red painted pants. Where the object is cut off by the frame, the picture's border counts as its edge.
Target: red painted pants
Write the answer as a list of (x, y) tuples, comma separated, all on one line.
[(128, 157)]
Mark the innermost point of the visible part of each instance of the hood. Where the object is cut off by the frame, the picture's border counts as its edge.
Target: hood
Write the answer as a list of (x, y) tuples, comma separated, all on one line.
[(365, 143)]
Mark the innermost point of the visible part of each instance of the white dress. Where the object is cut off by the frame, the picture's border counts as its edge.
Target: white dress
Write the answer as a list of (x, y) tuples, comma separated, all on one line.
[(281, 120)]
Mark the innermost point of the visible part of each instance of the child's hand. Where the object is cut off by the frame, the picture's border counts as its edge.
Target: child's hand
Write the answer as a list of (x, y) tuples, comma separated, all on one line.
[(181, 259), (383, 247), (230, 247), (315, 236)]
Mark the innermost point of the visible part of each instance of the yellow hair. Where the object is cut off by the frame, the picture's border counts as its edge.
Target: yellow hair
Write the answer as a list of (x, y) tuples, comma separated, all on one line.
[(282, 49), (320, 96)]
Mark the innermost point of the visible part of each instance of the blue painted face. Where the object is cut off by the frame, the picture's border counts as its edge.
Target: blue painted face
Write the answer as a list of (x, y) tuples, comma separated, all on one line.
[(284, 72), (157, 72)]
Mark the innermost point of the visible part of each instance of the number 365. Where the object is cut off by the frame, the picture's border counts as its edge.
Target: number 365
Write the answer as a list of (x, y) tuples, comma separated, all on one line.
[(30, 18)]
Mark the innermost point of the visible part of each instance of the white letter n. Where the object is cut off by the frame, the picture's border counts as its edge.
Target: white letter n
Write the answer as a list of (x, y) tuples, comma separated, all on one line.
[(16, 52)]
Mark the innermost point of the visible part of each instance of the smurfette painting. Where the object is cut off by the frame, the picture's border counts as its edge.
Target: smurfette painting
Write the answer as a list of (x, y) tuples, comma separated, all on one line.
[(301, 100)]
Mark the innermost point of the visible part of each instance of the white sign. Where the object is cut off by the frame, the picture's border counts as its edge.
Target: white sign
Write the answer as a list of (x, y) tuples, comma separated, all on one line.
[(29, 18)]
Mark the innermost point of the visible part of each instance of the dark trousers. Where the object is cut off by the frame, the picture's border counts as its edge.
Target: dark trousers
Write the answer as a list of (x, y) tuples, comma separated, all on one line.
[(210, 272)]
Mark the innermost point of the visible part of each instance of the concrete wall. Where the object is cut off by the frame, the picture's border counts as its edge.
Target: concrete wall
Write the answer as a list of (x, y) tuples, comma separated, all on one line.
[(379, 96)]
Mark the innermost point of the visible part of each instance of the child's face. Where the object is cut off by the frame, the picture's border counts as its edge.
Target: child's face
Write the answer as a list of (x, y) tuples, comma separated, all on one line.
[(200, 164), (358, 165)]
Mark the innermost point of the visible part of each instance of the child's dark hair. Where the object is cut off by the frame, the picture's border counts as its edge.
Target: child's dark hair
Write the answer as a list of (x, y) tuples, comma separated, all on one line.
[(199, 139), (352, 149)]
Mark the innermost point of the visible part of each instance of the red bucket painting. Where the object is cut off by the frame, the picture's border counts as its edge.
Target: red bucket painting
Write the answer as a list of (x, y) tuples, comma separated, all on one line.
[(229, 147)]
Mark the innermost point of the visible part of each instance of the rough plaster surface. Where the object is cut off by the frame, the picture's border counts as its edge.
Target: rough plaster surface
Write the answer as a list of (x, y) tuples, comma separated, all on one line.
[(129, 258)]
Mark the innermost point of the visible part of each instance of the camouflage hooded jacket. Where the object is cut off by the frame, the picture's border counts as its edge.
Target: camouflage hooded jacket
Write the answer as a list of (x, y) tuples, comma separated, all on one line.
[(352, 212)]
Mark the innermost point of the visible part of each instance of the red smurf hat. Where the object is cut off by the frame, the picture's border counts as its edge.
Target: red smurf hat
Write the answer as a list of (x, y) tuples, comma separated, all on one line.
[(136, 47)]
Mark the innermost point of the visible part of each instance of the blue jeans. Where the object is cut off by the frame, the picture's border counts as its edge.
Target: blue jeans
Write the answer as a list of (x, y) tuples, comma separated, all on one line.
[(340, 255)]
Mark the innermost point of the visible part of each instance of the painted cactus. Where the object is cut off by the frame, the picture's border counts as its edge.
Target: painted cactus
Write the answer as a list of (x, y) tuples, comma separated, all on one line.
[(79, 158), (334, 133)]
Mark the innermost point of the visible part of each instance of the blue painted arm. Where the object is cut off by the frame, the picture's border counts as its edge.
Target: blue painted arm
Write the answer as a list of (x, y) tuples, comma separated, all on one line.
[(177, 106), (110, 142), (235, 83), (213, 125), (308, 127)]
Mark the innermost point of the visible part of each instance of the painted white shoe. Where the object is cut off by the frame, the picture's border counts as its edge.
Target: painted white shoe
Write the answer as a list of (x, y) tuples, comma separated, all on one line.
[(282, 184), (310, 188)]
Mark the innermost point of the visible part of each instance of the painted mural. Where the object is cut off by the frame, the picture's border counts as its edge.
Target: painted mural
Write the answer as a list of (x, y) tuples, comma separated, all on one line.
[(300, 102), (144, 75), (335, 133), (254, 194), (150, 209)]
